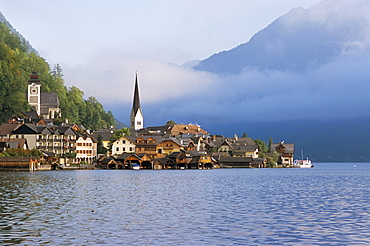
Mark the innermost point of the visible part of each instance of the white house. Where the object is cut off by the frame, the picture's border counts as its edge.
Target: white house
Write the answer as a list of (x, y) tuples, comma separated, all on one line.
[(123, 145), (86, 149)]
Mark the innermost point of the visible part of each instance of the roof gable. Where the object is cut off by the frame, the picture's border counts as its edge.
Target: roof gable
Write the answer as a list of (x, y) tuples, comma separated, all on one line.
[(26, 129)]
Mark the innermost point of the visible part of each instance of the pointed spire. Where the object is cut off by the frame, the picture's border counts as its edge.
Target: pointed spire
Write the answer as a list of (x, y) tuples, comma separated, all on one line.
[(136, 117), (136, 101)]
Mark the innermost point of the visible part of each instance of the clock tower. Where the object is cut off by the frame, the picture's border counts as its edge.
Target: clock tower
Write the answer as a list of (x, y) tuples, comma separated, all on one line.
[(34, 95)]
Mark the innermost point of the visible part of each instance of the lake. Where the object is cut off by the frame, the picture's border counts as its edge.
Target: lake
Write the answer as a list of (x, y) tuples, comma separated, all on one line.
[(324, 205)]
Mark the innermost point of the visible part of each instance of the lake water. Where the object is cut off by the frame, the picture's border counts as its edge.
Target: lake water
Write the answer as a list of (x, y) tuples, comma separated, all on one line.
[(325, 205)]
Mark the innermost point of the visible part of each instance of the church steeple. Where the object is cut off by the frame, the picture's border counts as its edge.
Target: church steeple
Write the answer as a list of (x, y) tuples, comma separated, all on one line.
[(136, 117)]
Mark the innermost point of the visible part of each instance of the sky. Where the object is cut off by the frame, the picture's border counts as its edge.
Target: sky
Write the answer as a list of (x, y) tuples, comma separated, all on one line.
[(102, 44)]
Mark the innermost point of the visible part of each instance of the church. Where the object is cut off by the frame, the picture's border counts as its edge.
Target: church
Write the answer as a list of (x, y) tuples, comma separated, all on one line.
[(136, 117), (46, 104)]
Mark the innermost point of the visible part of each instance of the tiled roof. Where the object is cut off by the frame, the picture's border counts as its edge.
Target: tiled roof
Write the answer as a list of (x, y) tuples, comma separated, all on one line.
[(187, 129), (6, 129)]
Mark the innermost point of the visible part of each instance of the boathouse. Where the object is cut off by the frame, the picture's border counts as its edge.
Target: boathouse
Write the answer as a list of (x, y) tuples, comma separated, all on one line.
[(235, 162), (18, 163)]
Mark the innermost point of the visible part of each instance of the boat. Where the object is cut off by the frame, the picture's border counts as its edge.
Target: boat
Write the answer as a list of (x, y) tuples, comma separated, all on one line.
[(303, 163), (135, 166)]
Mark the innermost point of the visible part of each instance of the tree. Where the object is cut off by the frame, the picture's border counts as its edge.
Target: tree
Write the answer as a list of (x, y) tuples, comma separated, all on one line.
[(17, 62), (261, 145), (244, 135), (270, 144), (101, 148), (22, 152), (170, 123), (119, 133)]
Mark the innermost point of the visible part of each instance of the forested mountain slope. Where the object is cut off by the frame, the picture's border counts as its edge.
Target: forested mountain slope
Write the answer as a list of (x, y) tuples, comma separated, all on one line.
[(18, 61)]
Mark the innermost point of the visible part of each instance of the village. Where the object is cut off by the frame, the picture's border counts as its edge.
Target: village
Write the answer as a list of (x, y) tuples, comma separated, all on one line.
[(171, 146)]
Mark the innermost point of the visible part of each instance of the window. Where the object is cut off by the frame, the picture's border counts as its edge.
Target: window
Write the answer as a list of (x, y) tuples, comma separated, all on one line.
[(123, 141), (117, 149), (123, 149)]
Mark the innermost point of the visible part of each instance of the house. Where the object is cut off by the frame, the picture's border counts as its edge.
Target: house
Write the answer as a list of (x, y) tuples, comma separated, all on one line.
[(244, 150), (146, 144), (225, 148), (123, 145), (13, 143), (285, 151), (59, 140), (86, 149), (168, 146), (6, 130), (104, 135)]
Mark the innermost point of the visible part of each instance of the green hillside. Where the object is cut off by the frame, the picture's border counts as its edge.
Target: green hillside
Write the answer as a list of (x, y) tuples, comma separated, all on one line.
[(17, 62)]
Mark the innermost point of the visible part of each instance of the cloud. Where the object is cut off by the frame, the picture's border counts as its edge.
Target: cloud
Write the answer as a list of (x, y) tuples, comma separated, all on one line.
[(111, 76), (338, 90)]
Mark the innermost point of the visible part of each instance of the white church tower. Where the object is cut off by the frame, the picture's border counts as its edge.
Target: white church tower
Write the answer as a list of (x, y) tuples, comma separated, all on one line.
[(34, 95), (136, 117)]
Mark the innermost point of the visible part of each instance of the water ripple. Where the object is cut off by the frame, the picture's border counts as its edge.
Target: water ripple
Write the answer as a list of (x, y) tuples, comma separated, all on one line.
[(320, 206)]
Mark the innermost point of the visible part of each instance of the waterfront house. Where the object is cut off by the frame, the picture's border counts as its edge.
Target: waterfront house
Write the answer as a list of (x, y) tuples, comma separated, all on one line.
[(225, 149), (86, 149), (146, 144), (123, 145), (244, 150), (285, 151), (169, 145), (59, 140)]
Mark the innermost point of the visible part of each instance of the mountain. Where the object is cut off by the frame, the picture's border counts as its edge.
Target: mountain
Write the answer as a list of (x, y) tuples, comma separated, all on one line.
[(29, 46), (301, 40), (302, 79)]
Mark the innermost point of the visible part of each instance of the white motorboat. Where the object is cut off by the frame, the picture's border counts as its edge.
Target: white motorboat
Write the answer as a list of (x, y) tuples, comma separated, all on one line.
[(303, 163)]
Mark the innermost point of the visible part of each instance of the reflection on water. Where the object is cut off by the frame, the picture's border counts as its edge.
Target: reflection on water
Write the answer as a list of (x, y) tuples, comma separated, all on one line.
[(328, 204)]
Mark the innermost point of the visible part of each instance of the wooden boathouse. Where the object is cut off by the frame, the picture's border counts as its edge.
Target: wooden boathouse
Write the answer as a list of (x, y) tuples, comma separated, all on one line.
[(18, 163)]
